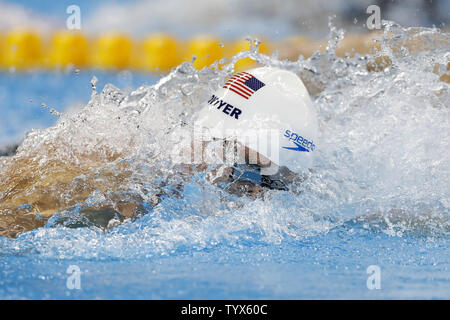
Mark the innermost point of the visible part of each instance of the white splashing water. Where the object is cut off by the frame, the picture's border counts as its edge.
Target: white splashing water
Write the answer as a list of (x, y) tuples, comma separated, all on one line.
[(383, 160)]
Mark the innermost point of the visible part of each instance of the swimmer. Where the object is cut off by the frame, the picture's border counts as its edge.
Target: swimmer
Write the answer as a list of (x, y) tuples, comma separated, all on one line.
[(260, 134), (262, 126)]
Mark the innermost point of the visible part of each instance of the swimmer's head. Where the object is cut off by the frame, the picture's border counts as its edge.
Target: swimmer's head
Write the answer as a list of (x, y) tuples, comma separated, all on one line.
[(269, 111)]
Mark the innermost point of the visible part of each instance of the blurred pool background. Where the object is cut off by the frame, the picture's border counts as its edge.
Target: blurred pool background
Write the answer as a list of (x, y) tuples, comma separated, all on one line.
[(327, 265)]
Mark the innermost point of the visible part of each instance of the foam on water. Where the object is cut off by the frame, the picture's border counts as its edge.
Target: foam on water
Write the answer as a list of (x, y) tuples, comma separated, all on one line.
[(383, 161)]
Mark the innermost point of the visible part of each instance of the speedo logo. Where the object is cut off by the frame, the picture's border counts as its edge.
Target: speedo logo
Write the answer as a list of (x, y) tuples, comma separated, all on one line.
[(301, 143), (225, 107)]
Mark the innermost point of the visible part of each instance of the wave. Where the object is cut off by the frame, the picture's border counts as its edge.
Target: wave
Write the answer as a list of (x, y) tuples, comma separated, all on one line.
[(383, 162)]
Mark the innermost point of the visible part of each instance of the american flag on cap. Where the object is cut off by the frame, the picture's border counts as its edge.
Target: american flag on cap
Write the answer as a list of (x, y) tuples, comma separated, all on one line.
[(244, 84)]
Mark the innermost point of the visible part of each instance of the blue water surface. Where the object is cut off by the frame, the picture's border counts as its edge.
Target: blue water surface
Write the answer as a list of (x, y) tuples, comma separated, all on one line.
[(331, 266)]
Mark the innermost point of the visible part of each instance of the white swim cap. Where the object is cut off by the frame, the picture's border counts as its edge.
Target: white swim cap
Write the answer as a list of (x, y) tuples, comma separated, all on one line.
[(269, 111)]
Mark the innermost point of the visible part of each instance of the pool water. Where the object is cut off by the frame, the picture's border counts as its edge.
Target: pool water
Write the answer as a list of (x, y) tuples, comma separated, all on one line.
[(331, 266), (377, 197)]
